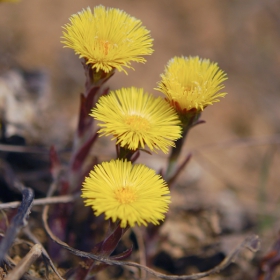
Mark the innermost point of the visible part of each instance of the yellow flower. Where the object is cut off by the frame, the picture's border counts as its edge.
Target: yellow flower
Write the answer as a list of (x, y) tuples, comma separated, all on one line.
[(191, 83), (107, 38), (137, 119), (130, 193)]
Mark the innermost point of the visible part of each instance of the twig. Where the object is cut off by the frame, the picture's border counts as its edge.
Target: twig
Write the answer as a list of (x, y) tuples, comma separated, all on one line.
[(10, 262), (249, 141), (22, 149), (179, 170), (42, 201), (25, 263), (18, 221), (142, 250), (251, 242), (45, 254), (3, 213), (240, 142), (269, 262)]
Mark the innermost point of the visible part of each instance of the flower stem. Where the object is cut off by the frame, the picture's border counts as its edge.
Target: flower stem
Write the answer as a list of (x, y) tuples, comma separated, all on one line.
[(188, 121)]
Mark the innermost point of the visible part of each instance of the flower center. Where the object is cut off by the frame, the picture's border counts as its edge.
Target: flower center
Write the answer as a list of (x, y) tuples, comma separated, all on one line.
[(125, 195), (137, 123), (104, 46), (187, 89), (193, 87)]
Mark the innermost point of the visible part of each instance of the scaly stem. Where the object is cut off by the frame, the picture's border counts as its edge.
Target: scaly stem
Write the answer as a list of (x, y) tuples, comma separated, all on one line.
[(188, 121)]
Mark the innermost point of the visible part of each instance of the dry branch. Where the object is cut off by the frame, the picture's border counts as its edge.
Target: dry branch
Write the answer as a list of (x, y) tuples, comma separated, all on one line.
[(41, 201), (25, 263), (251, 243), (18, 221)]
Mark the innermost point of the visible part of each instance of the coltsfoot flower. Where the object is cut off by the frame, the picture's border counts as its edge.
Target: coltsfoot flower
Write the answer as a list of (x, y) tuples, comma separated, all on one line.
[(107, 38), (126, 192), (136, 119), (191, 83)]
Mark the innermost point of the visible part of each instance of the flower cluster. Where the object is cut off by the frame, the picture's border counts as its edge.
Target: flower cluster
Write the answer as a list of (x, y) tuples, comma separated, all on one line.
[(109, 39)]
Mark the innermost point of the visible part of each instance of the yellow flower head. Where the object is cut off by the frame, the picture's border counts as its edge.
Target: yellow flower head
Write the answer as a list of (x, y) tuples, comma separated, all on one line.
[(130, 193), (107, 38), (191, 83), (137, 119)]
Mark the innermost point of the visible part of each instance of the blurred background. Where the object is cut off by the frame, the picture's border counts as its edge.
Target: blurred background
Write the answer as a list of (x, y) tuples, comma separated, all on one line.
[(235, 154)]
